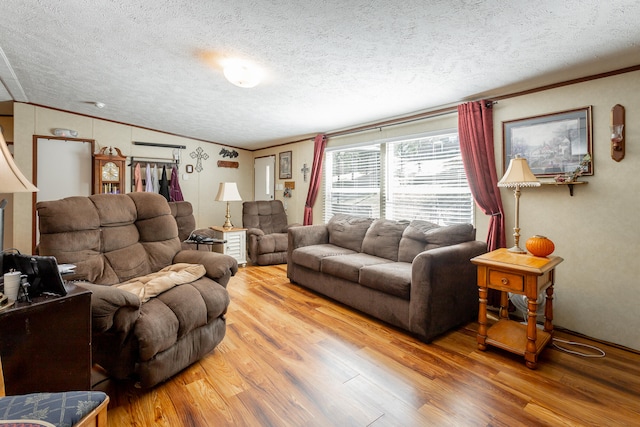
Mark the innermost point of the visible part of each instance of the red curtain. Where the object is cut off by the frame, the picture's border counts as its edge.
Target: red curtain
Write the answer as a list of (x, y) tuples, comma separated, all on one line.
[(316, 174), (475, 128)]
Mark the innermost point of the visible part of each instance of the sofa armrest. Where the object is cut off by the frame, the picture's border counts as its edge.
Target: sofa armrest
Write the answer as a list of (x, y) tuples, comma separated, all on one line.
[(307, 235), (444, 290), (112, 307), (255, 232), (219, 267)]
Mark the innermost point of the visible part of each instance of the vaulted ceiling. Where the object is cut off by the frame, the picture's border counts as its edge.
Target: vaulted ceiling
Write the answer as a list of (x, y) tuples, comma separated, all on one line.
[(327, 65)]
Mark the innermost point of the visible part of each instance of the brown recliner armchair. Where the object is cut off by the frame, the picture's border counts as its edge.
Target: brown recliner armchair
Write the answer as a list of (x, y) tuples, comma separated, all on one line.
[(114, 238), (187, 231), (267, 228)]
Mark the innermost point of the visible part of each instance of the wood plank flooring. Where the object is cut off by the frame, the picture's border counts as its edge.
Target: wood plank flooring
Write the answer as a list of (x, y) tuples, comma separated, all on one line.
[(294, 358)]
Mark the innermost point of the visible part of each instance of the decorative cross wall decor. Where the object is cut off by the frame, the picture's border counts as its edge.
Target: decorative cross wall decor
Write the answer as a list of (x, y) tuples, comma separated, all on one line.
[(305, 171), (199, 154)]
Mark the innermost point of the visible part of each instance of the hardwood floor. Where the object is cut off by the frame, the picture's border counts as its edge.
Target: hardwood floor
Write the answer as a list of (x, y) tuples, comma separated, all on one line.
[(295, 358)]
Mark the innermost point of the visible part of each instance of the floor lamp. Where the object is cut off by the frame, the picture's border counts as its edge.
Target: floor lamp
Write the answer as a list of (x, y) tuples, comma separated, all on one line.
[(11, 181), (518, 175), (228, 192)]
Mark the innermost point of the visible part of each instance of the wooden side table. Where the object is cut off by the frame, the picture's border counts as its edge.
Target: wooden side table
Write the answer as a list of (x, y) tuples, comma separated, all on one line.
[(45, 345), (236, 242), (520, 274)]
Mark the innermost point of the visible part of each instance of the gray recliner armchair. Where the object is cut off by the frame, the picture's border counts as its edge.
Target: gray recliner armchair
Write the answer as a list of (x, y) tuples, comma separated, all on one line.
[(267, 227), (149, 333)]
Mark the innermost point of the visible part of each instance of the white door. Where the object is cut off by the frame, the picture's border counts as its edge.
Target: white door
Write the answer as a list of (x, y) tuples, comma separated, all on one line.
[(264, 178), (63, 170)]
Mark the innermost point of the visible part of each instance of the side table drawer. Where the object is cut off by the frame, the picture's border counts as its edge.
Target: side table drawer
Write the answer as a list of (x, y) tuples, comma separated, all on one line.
[(506, 281)]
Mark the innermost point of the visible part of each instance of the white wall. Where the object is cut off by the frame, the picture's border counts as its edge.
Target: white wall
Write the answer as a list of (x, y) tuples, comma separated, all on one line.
[(596, 231), (199, 188)]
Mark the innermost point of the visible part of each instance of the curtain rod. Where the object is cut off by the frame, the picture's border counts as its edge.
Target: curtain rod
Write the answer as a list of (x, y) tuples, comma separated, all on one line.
[(392, 122), (160, 160), (403, 120), (388, 123), (156, 144)]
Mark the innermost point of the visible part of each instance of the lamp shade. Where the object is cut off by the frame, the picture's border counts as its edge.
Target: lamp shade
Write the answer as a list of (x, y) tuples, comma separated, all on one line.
[(228, 192), (11, 179), (518, 174)]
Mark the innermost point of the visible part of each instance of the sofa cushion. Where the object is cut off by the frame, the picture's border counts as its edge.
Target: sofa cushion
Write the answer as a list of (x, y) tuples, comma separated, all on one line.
[(312, 256), (348, 266), (170, 316), (421, 236), (49, 409), (393, 278), (348, 231), (274, 242), (383, 238)]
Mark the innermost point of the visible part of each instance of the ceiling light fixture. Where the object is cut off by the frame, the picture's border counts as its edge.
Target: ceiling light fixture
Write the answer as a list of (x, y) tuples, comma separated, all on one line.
[(242, 73), (99, 104)]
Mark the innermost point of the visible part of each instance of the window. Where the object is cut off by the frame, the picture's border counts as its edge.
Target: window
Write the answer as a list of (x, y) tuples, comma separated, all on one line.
[(352, 177), (418, 177)]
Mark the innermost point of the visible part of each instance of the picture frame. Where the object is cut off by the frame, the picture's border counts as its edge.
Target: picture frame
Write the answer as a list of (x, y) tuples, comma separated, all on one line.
[(285, 164), (553, 144)]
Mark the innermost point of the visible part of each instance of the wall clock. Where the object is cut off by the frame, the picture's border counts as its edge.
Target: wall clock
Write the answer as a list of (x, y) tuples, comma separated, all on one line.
[(108, 171)]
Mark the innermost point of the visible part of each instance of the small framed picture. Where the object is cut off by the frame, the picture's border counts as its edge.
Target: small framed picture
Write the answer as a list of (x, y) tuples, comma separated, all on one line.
[(285, 165), (189, 168)]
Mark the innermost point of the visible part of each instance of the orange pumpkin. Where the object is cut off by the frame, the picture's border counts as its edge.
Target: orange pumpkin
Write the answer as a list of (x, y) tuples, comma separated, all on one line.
[(540, 246)]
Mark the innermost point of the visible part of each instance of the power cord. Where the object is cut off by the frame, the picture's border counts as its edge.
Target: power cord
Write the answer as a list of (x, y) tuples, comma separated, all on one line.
[(600, 352)]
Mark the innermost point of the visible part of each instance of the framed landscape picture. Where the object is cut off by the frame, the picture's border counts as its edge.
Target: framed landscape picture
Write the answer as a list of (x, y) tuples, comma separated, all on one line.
[(285, 165), (552, 143)]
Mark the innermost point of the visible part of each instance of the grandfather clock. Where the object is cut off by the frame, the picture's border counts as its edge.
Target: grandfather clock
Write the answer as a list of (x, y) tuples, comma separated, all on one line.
[(108, 171)]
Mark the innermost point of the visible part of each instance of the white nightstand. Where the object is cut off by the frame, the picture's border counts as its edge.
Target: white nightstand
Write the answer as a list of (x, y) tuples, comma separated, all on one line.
[(236, 245)]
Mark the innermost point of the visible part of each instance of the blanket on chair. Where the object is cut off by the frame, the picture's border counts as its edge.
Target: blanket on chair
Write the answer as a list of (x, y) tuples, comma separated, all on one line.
[(152, 285)]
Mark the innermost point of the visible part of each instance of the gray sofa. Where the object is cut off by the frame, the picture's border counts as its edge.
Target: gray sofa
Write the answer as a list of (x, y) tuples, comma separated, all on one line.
[(414, 275)]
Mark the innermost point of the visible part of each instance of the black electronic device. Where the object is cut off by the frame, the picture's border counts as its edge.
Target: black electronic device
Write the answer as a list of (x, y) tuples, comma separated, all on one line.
[(198, 238), (42, 273)]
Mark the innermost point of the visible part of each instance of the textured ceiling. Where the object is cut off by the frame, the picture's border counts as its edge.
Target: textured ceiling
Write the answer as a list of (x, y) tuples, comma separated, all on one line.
[(329, 64)]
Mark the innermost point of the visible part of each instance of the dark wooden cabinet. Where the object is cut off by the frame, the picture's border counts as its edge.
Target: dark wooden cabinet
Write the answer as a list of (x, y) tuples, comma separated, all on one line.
[(46, 345)]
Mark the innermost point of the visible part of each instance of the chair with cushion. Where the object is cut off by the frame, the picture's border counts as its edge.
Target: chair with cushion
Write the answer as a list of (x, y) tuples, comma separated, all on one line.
[(267, 228), (72, 408), (171, 310)]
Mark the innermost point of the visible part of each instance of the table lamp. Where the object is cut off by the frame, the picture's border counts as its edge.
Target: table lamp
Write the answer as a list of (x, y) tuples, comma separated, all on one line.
[(11, 181), (518, 175), (228, 192)]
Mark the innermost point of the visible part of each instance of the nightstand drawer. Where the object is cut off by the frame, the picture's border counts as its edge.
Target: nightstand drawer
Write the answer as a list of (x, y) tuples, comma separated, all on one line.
[(506, 281)]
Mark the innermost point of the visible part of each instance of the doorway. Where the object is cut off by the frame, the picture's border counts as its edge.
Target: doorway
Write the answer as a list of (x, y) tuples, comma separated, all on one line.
[(63, 167)]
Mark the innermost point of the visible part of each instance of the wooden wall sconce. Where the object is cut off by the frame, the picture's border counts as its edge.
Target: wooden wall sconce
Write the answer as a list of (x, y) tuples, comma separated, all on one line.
[(617, 132)]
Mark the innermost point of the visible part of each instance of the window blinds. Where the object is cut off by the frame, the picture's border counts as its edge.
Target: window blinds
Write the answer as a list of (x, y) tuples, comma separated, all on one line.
[(415, 178)]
